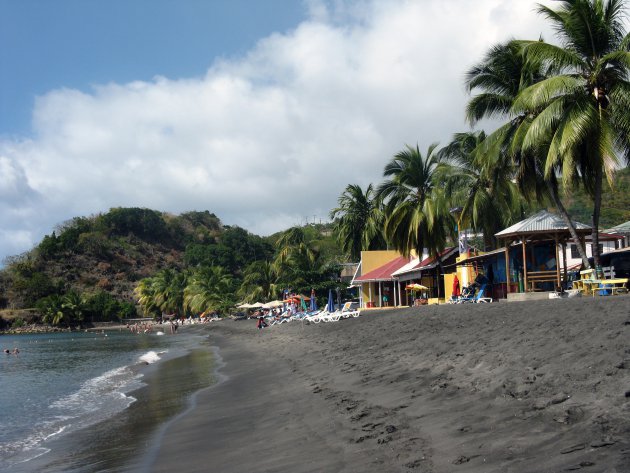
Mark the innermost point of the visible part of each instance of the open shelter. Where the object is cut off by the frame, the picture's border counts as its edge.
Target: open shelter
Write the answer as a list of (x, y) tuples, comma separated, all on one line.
[(540, 238)]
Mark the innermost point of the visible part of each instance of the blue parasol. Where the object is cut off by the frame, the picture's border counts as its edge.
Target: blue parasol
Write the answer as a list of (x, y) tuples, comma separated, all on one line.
[(330, 307)]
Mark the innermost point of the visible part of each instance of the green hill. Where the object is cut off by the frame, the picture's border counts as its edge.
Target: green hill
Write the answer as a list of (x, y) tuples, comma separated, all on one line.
[(110, 252), (99, 260), (615, 202)]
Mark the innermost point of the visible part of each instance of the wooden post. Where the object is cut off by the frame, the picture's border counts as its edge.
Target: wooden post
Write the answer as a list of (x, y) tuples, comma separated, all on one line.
[(507, 268), (524, 264), (564, 258), (559, 284)]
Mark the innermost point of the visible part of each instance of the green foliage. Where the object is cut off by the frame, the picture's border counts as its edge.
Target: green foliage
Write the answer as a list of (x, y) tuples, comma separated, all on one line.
[(359, 221), (615, 202), (17, 323), (105, 307), (146, 224), (235, 249), (30, 285)]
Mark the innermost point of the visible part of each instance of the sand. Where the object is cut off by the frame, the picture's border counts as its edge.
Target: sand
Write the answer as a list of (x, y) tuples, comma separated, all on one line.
[(502, 387)]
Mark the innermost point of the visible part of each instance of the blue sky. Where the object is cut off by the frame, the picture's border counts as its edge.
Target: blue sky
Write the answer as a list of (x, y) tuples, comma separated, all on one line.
[(48, 44), (259, 111)]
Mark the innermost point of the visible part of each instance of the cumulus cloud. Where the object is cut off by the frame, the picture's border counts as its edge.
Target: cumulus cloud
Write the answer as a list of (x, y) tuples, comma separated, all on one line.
[(264, 140)]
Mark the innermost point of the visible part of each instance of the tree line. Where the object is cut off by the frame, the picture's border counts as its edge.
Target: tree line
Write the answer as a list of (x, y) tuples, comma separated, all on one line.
[(564, 124)]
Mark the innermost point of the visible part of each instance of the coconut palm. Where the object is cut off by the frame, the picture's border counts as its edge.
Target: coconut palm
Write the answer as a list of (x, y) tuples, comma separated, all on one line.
[(417, 212), (293, 247), (51, 308), (584, 103), (208, 288), (359, 221), (145, 295), (260, 282), (499, 79), (167, 287), (490, 200)]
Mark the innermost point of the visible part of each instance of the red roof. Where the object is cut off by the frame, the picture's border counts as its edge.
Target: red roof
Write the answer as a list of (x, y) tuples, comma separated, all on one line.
[(383, 273)]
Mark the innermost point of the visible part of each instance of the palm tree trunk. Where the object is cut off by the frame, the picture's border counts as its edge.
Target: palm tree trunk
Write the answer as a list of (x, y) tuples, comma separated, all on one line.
[(565, 216), (597, 205)]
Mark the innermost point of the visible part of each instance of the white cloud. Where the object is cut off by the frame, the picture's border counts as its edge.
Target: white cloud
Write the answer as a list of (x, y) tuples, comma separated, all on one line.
[(265, 140)]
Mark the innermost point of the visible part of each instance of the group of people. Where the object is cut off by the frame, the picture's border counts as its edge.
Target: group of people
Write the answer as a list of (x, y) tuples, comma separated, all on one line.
[(275, 314), (14, 352), (140, 328)]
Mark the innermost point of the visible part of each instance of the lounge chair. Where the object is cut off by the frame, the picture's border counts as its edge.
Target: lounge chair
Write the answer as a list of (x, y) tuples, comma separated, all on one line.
[(479, 298)]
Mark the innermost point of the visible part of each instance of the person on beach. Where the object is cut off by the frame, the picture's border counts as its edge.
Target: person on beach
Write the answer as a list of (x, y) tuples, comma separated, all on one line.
[(261, 321)]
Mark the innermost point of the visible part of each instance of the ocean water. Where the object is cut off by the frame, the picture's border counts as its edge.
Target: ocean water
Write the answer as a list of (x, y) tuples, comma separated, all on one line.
[(93, 401)]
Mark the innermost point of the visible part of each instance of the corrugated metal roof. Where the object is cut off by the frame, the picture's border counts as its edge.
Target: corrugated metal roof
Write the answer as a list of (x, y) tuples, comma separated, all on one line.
[(624, 227), (541, 222)]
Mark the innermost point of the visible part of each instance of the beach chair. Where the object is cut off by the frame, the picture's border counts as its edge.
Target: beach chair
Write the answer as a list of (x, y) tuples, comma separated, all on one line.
[(468, 295), (479, 298)]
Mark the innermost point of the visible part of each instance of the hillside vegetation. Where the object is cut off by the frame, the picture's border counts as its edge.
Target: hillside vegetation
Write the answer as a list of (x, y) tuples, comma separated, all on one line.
[(615, 202), (89, 266)]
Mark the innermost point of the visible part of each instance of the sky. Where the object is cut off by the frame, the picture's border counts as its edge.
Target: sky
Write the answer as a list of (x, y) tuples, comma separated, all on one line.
[(261, 112)]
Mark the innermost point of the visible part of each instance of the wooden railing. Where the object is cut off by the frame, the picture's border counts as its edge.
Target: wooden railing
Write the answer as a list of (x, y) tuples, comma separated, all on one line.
[(535, 277)]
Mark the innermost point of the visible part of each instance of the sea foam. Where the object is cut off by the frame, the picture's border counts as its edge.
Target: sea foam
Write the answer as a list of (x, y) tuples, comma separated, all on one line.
[(149, 357)]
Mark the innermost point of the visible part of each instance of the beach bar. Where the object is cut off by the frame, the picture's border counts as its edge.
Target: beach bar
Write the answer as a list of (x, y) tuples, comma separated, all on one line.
[(541, 237)]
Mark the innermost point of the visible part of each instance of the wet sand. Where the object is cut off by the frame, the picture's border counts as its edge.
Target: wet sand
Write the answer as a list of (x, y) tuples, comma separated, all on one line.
[(503, 387)]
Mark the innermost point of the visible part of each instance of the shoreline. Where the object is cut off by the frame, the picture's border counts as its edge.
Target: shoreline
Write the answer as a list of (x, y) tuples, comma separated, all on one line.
[(167, 386), (520, 387)]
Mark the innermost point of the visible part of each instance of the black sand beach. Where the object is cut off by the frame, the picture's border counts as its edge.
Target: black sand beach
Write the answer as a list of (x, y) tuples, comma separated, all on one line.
[(518, 387)]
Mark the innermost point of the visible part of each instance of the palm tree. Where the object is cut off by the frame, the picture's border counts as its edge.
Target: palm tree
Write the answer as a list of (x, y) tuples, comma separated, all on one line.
[(167, 287), (359, 221), (260, 282), (585, 102), (72, 305), (145, 296), (208, 288), (417, 212), (489, 198), (501, 76), (51, 308), (294, 247)]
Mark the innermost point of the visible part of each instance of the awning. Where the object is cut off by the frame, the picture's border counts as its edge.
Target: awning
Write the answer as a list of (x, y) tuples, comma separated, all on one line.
[(483, 257), (424, 265)]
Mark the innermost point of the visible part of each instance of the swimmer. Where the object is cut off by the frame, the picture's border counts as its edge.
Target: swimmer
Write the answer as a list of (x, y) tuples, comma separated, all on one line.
[(6, 350), (16, 351)]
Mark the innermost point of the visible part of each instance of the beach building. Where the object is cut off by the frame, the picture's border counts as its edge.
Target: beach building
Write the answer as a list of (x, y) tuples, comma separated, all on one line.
[(622, 230), (608, 241), (383, 277)]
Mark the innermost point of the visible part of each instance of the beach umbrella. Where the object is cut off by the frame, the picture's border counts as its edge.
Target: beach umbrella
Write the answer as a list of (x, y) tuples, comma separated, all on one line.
[(330, 307), (244, 306), (313, 301), (256, 305), (416, 287), (272, 304)]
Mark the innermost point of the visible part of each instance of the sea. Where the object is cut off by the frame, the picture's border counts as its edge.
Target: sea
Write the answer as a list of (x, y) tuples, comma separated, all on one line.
[(95, 401)]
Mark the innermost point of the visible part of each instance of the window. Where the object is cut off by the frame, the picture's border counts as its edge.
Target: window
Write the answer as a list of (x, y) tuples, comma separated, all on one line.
[(574, 252), (600, 246)]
